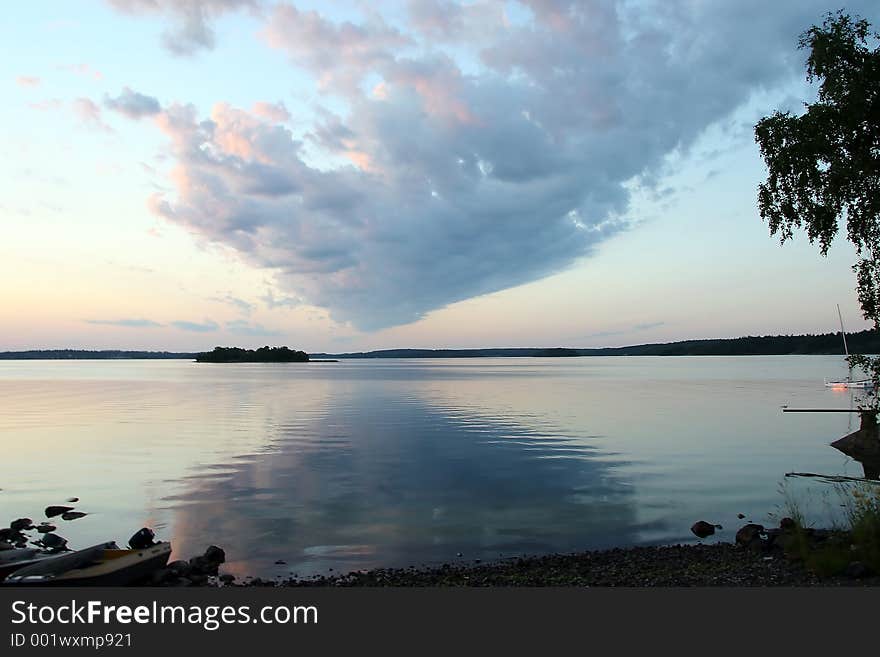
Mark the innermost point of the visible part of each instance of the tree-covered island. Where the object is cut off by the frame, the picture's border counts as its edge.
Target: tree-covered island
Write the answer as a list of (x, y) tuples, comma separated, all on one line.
[(261, 355)]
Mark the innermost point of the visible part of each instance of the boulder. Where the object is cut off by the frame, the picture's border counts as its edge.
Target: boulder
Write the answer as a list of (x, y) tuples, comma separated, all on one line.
[(747, 534), (702, 529), (141, 539), (21, 524), (72, 515), (52, 511), (215, 554)]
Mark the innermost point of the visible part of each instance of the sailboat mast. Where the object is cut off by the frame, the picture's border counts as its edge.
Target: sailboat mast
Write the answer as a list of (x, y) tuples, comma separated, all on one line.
[(842, 333)]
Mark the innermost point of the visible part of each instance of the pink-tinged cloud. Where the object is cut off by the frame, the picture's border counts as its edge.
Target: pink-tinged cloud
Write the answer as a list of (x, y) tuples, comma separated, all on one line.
[(89, 114), (276, 112), (27, 81)]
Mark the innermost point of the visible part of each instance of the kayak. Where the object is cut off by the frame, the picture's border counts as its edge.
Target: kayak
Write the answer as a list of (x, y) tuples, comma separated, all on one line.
[(100, 565)]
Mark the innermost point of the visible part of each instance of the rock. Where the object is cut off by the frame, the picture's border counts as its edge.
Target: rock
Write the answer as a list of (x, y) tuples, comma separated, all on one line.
[(5, 545), (20, 524), (787, 524), (280, 562), (45, 528), (52, 511), (7, 534), (142, 538), (227, 578), (203, 566), (162, 576), (180, 568), (215, 554), (53, 541), (740, 516), (71, 500), (748, 533), (72, 515), (857, 570), (702, 529)]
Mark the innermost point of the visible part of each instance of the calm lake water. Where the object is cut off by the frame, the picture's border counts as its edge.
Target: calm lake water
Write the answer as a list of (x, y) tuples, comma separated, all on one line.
[(366, 463)]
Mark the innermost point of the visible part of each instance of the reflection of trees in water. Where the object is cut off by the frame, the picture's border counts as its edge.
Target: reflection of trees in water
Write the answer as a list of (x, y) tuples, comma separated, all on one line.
[(386, 479)]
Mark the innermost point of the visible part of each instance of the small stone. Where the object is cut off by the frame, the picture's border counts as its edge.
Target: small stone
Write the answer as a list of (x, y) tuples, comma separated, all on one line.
[(52, 511), (198, 579), (71, 500), (53, 541), (180, 568), (748, 533), (740, 516), (20, 524), (45, 528), (72, 515), (280, 562), (702, 529)]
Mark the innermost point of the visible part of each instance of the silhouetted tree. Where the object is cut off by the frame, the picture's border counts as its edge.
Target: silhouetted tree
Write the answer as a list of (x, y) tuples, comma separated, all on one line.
[(824, 165)]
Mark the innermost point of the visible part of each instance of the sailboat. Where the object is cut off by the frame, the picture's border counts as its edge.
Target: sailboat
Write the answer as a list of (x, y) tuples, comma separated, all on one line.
[(848, 382)]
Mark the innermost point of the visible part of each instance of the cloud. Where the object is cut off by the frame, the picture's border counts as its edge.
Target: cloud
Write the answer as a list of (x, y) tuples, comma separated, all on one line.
[(132, 104), (27, 81), (90, 114), (240, 304), (272, 111), (127, 323), (272, 301), (467, 169), (206, 327), (241, 327), (191, 20)]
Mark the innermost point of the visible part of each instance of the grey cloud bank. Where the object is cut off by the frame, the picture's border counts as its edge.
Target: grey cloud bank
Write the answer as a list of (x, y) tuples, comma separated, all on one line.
[(459, 177)]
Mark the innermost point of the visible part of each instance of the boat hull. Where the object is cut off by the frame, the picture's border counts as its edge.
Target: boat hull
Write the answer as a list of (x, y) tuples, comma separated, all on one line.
[(111, 567)]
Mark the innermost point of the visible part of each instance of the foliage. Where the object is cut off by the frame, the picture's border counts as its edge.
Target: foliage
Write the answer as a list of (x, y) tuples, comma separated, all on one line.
[(857, 541), (824, 166), (261, 355)]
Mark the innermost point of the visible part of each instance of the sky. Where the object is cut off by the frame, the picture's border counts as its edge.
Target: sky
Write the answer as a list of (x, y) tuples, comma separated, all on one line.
[(342, 176)]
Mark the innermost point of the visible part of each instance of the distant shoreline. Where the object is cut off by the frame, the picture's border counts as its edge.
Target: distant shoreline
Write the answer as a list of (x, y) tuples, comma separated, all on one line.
[(865, 342)]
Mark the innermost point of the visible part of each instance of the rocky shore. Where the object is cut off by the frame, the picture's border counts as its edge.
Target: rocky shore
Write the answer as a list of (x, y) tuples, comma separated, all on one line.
[(760, 557), (787, 555)]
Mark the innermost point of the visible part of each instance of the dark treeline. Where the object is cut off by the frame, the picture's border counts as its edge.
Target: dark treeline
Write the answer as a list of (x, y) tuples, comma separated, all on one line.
[(261, 355), (84, 354), (866, 342)]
